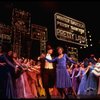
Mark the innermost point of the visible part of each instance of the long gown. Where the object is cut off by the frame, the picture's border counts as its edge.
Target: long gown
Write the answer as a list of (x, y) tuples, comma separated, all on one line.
[(75, 80), (20, 87), (88, 85), (91, 85), (63, 79), (27, 89), (82, 85), (6, 83), (32, 79)]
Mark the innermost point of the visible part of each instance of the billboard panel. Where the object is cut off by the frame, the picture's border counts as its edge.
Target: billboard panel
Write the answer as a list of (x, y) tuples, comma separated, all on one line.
[(70, 30)]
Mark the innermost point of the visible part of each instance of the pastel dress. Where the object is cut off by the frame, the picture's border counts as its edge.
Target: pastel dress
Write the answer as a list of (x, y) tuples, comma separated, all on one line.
[(88, 85), (75, 80), (91, 85), (82, 85), (63, 79)]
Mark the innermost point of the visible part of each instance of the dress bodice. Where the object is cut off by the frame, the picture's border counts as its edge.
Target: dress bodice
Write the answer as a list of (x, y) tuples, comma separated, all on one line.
[(61, 62)]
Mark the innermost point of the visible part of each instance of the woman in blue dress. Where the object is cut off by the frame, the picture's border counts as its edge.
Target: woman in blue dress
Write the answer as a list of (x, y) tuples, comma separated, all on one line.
[(83, 78), (6, 84), (8, 75), (91, 85), (88, 85), (63, 79)]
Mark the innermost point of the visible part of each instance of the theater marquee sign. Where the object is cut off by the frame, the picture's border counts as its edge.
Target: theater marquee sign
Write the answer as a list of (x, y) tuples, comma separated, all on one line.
[(5, 33), (70, 30)]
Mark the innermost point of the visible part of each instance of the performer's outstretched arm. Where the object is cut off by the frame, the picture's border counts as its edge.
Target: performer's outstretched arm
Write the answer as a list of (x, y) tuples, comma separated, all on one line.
[(53, 60), (79, 73), (86, 70), (73, 74), (69, 59)]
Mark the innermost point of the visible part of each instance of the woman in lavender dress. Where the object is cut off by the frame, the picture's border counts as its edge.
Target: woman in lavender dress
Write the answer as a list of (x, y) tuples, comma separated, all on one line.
[(88, 85), (82, 79), (91, 85), (75, 80), (63, 79)]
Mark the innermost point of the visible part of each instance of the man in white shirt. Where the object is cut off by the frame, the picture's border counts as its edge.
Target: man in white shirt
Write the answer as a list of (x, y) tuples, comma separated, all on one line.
[(48, 73), (48, 56)]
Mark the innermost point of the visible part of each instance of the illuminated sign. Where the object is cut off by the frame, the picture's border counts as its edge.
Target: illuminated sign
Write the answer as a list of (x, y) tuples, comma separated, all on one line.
[(70, 30), (21, 21), (5, 33), (38, 32), (73, 53)]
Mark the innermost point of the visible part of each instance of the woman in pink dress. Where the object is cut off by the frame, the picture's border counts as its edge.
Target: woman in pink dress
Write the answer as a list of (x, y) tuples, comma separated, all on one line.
[(22, 86), (19, 80), (32, 79), (27, 89)]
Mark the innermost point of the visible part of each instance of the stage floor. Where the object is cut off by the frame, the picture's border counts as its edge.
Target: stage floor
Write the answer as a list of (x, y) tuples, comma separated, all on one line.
[(71, 97)]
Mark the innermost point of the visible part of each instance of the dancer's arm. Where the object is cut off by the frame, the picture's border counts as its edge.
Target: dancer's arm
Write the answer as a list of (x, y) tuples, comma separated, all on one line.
[(53, 60), (86, 70), (79, 73), (16, 62), (69, 59), (2, 64), (73, 73)]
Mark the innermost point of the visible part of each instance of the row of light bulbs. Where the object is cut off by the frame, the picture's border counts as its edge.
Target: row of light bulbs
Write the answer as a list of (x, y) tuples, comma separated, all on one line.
[(89, 40)]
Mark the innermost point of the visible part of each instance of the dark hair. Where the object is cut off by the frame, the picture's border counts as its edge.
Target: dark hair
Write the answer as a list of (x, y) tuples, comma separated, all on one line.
[(60, 48), (49, 47)]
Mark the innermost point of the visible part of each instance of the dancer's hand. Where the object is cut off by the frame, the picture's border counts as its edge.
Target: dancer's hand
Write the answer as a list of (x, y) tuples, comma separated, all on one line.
[(42, 55), (2, 64), (76, 76), (71, 77)]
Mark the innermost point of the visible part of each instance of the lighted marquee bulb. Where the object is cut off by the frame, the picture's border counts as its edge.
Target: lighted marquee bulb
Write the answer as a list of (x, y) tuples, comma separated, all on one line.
[(87, 45), (38, 33), (88, 32), (80, 47), (83, 41), (90, 39), (84, 46), (89, 35), (91, 45)]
